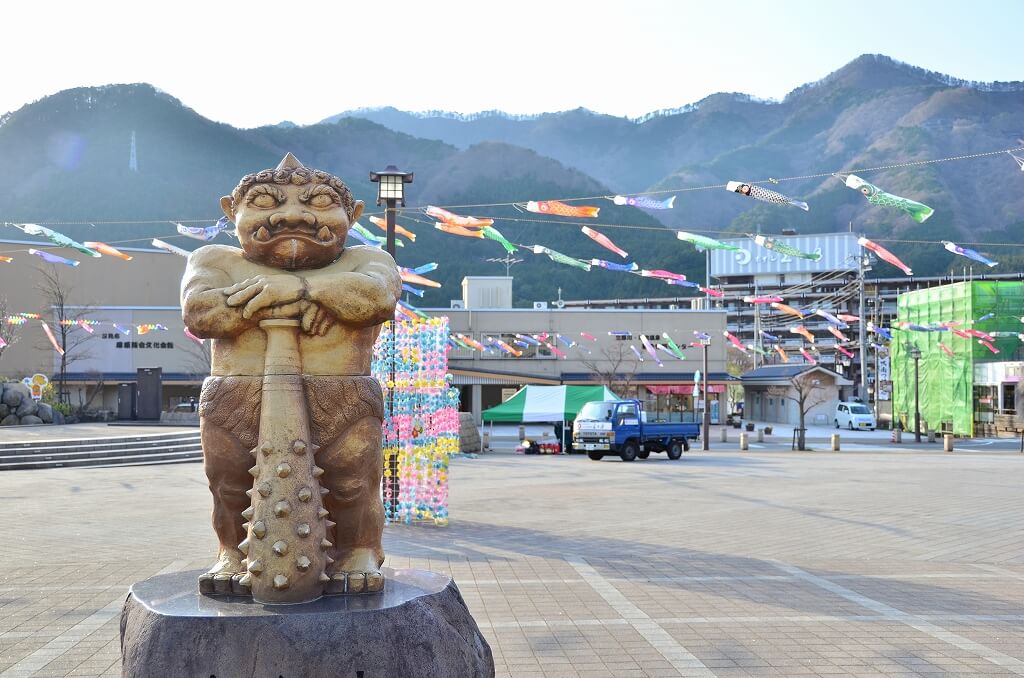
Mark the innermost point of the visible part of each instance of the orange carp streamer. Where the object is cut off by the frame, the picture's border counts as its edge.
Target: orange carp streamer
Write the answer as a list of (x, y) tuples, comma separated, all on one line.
[(457, 230), (104, 248), (803, 332), (401, 230), (561, 209), (457, 220), (416, 279), (787, 309)]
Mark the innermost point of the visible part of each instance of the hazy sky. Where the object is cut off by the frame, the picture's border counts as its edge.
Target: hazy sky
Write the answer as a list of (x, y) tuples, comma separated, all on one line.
[(259, 62)]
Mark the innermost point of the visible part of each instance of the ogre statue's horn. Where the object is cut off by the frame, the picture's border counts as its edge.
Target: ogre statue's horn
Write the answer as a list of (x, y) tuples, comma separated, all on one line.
[(289, 162)]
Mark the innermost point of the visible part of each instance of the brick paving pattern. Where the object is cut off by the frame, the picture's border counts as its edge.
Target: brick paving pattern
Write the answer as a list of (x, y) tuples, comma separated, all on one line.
[(723, 564)]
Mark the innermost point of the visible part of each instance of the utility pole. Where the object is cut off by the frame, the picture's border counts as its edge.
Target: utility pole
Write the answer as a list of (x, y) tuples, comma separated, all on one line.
[(706, 432), (862, 331), (915, 354), (707, 279), (757, 325), (877, 318)]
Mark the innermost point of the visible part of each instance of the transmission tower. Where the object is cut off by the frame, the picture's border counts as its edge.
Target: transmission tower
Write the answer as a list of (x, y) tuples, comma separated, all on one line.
[(133, 163)]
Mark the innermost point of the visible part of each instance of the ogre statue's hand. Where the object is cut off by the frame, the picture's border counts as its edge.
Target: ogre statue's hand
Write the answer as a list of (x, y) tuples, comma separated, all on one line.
[(314, 319), (264, 291)]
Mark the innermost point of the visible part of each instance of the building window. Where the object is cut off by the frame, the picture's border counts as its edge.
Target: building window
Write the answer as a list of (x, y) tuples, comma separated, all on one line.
[(1009, 399)]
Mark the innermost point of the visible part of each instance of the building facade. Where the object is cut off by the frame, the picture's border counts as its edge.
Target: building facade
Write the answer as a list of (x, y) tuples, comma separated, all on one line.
[(772, 394), (664, 383), (132, 308), (832, 283), (125, 304), (960, 345)]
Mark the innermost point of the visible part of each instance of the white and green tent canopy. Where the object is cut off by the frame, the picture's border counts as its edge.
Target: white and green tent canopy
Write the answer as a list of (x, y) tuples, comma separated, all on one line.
[(547, 403)]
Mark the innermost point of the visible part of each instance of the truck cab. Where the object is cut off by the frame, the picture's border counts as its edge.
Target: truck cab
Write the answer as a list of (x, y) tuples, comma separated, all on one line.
[(619, 427)]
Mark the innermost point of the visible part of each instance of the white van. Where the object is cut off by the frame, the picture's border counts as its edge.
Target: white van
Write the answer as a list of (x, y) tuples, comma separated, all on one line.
[(854, 416)]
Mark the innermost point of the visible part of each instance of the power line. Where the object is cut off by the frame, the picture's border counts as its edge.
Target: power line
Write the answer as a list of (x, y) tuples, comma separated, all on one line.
[(770, 180)]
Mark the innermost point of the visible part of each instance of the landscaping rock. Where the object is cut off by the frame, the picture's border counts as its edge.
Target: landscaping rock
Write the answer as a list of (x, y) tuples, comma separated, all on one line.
[(30, 419), (4, 410), (45, 412), (27, 407), (10, 420), (14, 393), (58, 417)]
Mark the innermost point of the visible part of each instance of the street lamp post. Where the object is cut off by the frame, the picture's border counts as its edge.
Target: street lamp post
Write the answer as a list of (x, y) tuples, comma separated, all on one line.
[(706, 432), (391, 192), (915, 354)]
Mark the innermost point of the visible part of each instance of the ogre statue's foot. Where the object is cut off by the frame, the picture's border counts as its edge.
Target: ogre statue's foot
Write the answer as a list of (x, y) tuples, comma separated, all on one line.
[(225, 577), (356, 573)]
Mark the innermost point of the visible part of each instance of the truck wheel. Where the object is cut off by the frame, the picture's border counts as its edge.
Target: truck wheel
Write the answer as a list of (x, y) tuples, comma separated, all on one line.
[(596, 456), (643, 454), (629, 452), (675, 451), (686, 444)]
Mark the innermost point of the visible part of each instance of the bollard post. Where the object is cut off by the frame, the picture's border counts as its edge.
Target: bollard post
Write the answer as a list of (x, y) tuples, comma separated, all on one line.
[(522, 433), (947, 442), (744, 445), (931, 435), (760, 436), (897, 435), (725, 435), (835, 442), (487, 440)]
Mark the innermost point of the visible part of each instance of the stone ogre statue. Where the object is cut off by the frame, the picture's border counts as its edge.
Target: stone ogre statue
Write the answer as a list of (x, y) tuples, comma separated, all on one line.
[(290, 419)]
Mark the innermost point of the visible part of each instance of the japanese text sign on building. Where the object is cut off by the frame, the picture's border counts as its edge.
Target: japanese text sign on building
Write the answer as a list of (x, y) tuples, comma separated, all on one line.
[(839, 252)]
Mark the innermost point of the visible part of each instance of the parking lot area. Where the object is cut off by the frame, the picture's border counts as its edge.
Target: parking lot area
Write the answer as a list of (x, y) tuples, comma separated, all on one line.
[(761, 563)]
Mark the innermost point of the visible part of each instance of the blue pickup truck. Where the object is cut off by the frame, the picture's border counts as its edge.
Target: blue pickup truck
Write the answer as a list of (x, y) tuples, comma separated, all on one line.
[(618, 427)]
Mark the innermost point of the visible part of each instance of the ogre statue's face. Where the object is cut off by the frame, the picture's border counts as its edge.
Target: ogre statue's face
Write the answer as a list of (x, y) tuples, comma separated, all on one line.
[(291, 226)]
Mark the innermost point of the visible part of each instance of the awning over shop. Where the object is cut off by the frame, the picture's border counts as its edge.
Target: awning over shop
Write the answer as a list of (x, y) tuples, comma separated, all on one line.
[(681, 389), (547, 403)]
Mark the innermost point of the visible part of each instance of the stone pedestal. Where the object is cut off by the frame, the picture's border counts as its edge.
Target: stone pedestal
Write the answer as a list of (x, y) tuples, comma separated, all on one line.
[(419, 626)]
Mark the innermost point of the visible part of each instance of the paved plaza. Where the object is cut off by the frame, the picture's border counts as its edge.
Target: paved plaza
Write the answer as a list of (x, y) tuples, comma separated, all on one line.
[(765, 563)]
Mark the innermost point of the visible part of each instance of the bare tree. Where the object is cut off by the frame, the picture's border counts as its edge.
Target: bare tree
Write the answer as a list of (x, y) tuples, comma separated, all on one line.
[(9, 332), (91, 394), (807, 392), (199, 359), (64, 322), (614, 365)]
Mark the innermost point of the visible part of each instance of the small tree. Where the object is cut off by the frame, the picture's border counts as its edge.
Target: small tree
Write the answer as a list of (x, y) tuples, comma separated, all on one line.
[(737, 364), (614, 366), (806, 391), (9, 333), (64, 321)]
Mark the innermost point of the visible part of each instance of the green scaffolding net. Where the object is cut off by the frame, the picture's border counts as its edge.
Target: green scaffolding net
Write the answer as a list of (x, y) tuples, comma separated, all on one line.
[(946, 376)]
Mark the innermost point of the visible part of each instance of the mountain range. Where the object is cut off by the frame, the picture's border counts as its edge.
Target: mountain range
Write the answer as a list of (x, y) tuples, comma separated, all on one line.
[(64, 158)]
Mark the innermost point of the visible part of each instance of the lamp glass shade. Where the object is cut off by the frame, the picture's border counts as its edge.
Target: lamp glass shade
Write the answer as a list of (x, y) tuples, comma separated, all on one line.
[(390, 187)]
